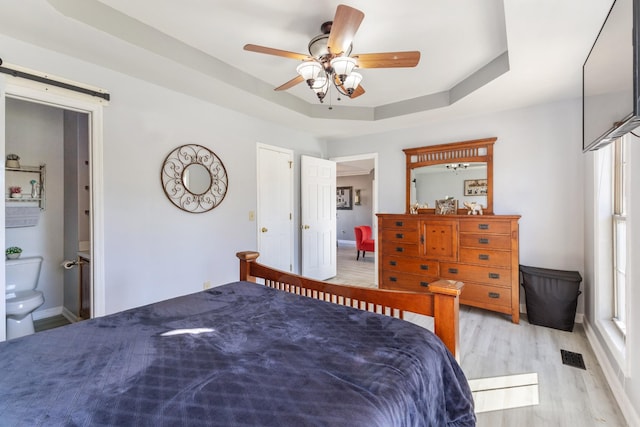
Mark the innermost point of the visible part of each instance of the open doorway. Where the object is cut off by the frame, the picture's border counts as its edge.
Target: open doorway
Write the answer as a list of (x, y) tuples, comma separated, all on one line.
[(51, 218), (53, 102), (357, 177)]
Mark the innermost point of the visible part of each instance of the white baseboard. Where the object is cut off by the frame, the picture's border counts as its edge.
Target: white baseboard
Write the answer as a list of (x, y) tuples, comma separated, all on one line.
[(55, 311), (626, 407), (347, 243), (69, 315), (49, 312)]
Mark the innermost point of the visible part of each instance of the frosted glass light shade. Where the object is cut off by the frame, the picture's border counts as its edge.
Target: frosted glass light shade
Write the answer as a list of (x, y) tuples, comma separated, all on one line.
[(343, 65), (320, 84), (309, 70), (352, 81)]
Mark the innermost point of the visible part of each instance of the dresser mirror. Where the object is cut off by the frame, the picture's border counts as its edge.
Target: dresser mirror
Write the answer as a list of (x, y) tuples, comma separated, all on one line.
[(460, 170)]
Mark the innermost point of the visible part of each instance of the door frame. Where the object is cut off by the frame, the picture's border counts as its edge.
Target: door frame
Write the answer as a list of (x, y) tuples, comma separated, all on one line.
[(374, 205), (30, 91), (259, 186)]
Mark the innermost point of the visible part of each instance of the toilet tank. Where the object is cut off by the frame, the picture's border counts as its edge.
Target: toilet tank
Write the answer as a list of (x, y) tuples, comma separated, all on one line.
[(22, 274)]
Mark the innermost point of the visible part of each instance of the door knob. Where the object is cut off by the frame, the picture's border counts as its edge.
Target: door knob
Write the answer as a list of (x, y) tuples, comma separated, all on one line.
[(306, 227), (264, 229)]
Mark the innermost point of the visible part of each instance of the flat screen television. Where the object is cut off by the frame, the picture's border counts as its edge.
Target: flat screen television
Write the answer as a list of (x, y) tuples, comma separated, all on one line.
[(610, 97)]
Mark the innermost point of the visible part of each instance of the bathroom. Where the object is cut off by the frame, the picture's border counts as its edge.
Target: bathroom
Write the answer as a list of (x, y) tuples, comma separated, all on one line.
[(60, 229)]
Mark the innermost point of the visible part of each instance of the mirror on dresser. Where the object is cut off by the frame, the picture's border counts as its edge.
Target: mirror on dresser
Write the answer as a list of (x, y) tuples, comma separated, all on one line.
[(461, 170)]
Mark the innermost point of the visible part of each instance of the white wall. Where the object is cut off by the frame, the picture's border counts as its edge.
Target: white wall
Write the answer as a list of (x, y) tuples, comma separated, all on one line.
[(154, 250), (538, 172)]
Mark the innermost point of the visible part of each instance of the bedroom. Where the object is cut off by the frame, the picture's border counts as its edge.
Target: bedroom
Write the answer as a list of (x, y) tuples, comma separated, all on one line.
[(148, 244)]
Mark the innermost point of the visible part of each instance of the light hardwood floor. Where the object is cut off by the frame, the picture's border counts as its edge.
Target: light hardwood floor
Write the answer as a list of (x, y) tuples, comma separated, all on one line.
[(493, 346)]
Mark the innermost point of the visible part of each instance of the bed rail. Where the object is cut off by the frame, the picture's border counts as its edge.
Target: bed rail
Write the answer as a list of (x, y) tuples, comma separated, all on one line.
[(441, 302)]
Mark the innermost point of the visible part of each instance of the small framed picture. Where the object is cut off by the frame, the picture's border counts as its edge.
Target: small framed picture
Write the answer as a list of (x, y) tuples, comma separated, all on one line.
[(446, 207), (344, 197), (475, 187)]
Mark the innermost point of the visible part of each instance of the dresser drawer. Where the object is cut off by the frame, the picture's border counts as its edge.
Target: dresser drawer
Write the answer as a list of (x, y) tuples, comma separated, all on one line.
[(487, 257), (476, 273), (402, 223), (486, 227), (473, 240), (400, 235), (399, 248), (406, 281), (410, 265), (477, 295)]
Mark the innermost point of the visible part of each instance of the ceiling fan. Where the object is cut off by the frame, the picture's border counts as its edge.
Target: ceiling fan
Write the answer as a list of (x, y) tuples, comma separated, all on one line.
[(330, 61)]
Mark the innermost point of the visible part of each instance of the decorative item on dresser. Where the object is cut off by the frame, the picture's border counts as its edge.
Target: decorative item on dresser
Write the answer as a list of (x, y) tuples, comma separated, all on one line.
[(481, 251)]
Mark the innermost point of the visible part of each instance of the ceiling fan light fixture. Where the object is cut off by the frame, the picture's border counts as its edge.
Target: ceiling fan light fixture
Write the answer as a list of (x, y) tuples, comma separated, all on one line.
[(343, 66), (320, 86), (310, 70), (351, 82)]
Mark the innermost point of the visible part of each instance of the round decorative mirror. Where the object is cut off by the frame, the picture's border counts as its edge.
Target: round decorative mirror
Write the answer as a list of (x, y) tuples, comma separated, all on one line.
[(194, 178)]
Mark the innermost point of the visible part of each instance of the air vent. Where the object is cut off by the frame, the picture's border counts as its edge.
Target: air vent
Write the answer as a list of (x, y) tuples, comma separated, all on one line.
[(572, 359)]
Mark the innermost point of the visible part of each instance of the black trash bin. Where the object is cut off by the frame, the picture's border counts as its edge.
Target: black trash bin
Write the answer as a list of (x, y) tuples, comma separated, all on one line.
[(551, 296)]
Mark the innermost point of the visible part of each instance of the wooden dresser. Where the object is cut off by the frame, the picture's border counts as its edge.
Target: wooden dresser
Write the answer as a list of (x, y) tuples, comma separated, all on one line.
[(481, 251)]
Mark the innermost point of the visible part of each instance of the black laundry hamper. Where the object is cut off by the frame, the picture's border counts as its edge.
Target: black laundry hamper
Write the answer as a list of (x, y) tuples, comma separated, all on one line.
[(551, 296)]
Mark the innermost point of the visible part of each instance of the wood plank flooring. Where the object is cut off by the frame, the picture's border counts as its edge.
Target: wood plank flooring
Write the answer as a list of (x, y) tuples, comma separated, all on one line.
[(50, 323), (492, 346)]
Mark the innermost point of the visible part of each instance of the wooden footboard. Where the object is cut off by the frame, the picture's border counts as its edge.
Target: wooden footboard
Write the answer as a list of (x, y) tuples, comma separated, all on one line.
[(441, 302)]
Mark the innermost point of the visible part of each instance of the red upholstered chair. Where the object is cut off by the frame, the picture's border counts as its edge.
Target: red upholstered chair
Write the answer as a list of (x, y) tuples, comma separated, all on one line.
[(363, 240)]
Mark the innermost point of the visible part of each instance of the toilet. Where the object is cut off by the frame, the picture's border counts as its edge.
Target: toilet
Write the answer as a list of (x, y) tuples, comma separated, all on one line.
[(21, 296)]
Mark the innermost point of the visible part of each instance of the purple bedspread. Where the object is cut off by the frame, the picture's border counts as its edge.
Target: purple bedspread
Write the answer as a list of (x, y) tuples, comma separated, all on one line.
[(253, 357)]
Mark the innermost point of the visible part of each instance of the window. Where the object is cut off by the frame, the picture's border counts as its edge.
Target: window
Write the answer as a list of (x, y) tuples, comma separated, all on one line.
[(619, 221)]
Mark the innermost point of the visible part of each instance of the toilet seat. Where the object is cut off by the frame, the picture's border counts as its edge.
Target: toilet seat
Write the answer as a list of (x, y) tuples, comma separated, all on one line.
[(23, 302)]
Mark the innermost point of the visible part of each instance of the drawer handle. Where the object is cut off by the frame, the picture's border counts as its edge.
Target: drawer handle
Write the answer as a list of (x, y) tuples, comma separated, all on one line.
[(494, 276), (483, 257), (453, 270), (422, 238), (393, 263), (425, 284), (494, 295), (483, 226), (399, 236), (399, 223), (424, 267), (483, 241), (398, 249), (393, 279)]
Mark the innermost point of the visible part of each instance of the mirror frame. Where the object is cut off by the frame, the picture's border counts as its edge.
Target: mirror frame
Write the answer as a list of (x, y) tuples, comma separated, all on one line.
[(477, 150), (172, 177)]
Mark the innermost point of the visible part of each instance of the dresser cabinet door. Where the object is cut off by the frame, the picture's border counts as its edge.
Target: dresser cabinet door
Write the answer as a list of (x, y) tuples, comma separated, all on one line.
[(439, 239)]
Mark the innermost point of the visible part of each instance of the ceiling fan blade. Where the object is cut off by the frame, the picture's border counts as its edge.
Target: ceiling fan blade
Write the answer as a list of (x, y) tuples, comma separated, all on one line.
[(343, 29), (276, 52), (291, 83), (388, 59), (357, 92)]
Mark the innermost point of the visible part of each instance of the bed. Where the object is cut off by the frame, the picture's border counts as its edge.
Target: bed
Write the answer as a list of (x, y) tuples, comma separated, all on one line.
[(287, 352)]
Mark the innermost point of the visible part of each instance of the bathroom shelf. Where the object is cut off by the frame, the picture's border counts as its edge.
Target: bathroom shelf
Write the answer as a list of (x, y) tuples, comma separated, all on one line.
[(13, 179)]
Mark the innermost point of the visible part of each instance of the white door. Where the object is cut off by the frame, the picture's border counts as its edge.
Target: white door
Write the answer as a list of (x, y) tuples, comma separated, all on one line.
[(318, 201), (275, 207)]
